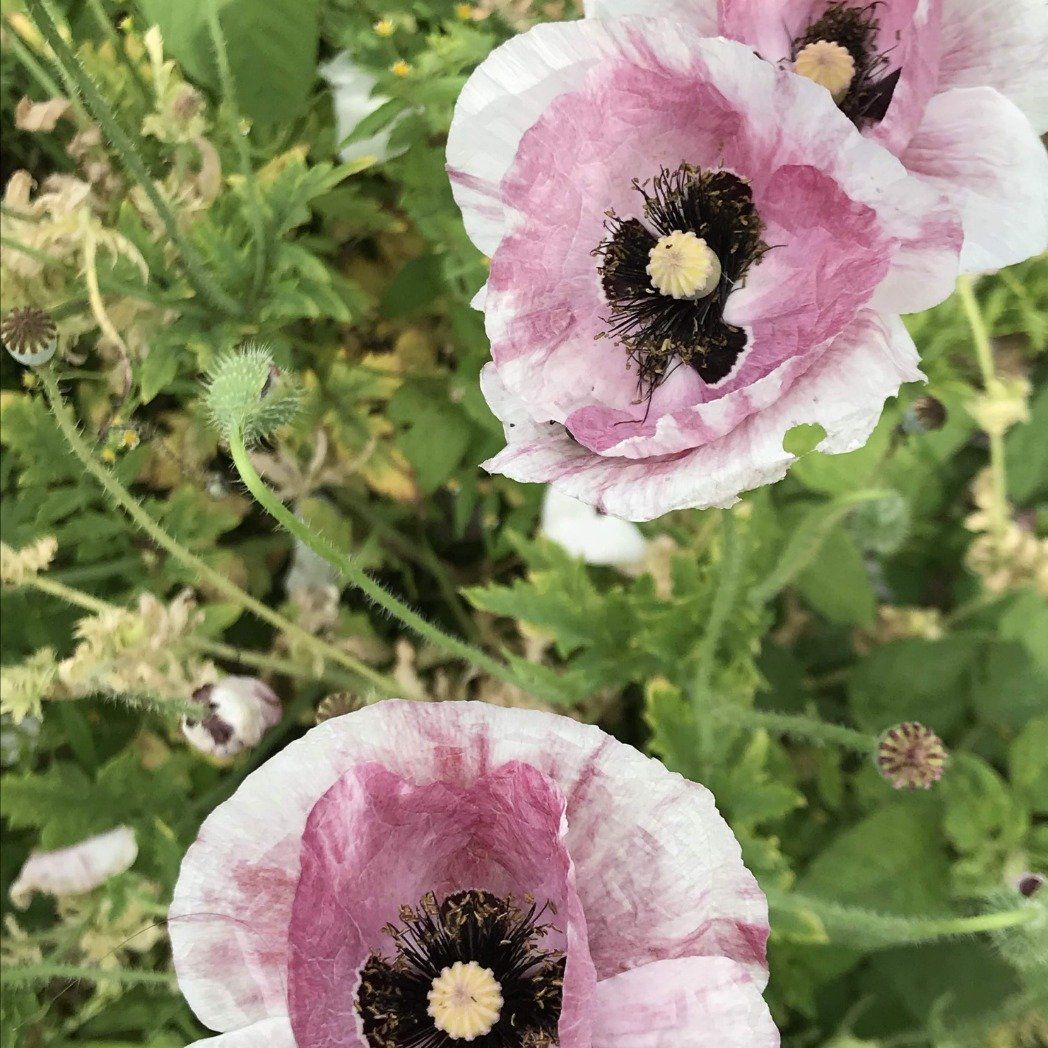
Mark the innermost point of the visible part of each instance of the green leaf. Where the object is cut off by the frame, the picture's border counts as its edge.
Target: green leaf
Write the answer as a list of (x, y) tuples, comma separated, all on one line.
[(434, 433), (1028, 764), (838, 585), (272, 49)]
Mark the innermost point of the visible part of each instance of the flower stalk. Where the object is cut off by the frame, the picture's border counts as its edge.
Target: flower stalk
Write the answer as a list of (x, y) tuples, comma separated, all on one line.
[(362, 580), (984, 355), (328, 653)]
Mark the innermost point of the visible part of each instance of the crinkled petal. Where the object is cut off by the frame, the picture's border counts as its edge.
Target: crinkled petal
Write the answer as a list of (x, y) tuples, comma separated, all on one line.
[(658, 871), (844, 391), (375, 842), (768, 26), (698, 1002), (978, 148), (700, 16), (269, 1033), (77, 869), (596, 538), (848, 225), (997, 44), (501, 100)]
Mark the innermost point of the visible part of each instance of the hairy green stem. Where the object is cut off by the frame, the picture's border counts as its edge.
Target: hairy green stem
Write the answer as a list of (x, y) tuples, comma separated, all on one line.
[(202, 281), (984, 355), (361, 579), (728, 581), (247, 171), (801, 727), (854, 926), (215, 579), (28, 974)]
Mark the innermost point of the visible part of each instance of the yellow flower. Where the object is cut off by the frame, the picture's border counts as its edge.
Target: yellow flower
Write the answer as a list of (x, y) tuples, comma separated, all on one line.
[(465, 11), (400, 68), (385, 27)]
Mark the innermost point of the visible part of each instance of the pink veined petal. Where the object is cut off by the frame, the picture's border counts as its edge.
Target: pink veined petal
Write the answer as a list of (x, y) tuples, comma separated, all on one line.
[(840, 212), (911, 35), (269, 1033), (698, 15), (999, 44), (978, 148), (499, 103), (375, 842), (658, 871), (844, 391), (768, 26), (696, 1002)]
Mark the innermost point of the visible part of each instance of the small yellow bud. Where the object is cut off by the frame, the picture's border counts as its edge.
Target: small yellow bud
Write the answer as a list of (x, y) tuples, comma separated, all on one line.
[(385, 27), (829, 64), (400, 68), (464, 11)]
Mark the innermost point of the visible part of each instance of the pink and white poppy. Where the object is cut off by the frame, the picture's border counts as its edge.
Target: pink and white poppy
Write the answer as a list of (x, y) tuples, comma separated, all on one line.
[(957, 89), (692, 252), (428, 874)]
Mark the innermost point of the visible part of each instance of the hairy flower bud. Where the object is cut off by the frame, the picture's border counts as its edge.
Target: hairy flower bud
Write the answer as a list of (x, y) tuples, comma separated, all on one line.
[(239, 710), (248, 395)]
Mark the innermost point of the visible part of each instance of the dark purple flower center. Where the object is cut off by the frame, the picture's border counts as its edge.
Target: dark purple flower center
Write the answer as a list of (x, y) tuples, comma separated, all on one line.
[(856, 29), (437, 939), (660, 331)]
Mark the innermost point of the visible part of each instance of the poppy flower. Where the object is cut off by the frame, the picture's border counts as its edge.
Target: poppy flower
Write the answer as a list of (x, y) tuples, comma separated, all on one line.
[(423, 875), (692, 252), (957, 89)]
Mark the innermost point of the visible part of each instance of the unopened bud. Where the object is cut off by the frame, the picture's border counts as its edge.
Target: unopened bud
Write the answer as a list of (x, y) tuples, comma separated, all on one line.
[(911, 756), (237, 711)]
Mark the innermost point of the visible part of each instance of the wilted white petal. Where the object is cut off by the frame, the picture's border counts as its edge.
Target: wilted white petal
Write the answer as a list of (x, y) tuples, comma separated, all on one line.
[(239, 710), (595, 537)]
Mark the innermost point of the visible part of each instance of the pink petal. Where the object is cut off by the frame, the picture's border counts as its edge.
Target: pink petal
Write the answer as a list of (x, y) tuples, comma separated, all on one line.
[(978, 148), (657, 870), (374, 842), (844, 391), (502, 99), (269, 1033), (1003, 45), (698, 1002), (768, 26), (848, 224), (700, 16)]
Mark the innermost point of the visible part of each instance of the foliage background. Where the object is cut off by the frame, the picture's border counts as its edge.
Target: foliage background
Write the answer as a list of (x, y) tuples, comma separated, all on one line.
[(862, 591)]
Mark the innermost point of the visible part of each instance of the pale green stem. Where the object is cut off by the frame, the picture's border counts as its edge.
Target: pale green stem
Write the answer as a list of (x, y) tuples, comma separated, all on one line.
[(854, 926), (801, 727), (247, 171), (215, 579), (729, 578), (44, 972), (984, 355), (203, 282), (360, 578), (259, 660)]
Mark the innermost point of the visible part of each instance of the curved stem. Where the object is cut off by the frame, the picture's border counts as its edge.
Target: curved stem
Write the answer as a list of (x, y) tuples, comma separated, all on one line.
[(216, 580), (203, 283), (854, 926), (984, 355), (362, 580)]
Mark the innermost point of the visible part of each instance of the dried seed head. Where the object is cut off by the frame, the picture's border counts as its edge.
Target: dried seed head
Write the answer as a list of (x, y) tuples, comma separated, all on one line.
[(1028, 884), (30, 335), (911, 756), (929, 412), (338, 704)]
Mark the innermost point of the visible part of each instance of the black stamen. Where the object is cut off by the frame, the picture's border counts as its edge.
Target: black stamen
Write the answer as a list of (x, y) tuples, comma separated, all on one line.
[(855, 29), (467, 926), (660, 332)]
